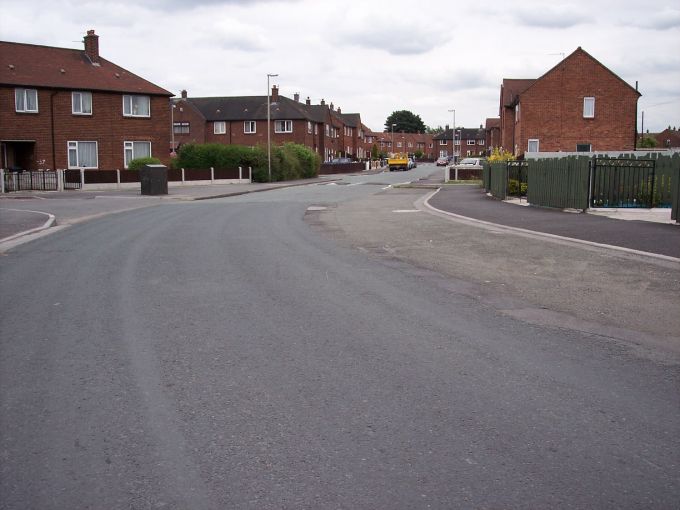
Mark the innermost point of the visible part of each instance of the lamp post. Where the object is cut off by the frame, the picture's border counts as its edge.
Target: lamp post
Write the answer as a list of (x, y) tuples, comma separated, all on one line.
[(269, 128), (453, 135), (172, 128), (392, 142)]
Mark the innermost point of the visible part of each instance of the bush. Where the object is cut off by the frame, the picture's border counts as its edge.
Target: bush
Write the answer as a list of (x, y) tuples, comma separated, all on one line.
[(139, 163), (500, 155)]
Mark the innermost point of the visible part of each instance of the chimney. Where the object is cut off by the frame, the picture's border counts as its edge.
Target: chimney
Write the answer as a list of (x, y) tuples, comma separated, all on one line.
[(309, 101), (184, 94), (275, 94), (446, 128), (331, 106), (339, 110), (323, 102), (296, 96), (91, 41)]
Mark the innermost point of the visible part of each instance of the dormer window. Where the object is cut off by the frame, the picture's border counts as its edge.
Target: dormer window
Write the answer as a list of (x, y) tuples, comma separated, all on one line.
[(26, 100), (137, 106)]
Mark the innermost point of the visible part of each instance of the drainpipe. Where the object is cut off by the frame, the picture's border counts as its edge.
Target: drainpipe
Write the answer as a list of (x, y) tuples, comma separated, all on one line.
[(54, 150)]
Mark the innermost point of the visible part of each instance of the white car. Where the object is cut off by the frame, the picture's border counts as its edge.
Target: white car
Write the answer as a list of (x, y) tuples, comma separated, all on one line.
[(475, 162)]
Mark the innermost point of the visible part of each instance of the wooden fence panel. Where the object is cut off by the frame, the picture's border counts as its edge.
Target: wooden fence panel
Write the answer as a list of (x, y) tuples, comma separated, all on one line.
[(561, 183), (499, 180)]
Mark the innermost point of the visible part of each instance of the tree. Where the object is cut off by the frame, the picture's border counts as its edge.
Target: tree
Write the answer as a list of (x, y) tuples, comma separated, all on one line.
[(405, 121), (647, 142), (434, 131), (374, 151)]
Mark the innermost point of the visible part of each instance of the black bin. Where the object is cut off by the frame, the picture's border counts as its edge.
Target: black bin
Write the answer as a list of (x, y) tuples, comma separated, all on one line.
[(154, 179)]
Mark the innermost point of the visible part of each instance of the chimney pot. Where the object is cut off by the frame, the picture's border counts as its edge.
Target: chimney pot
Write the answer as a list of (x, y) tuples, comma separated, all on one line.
[(309, 101), (184, 94), (296, 96), (339, 110), (275, 94), (323, 102), (331, 106), (91, 41)]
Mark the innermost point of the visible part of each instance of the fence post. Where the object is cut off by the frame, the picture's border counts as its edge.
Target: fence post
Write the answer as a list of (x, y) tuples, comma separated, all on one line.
[(2, 180), (240, 173), (60, 180), (250, 174), (82, 178), (591, 176), (212, 175), (182, 175), (118, 178)]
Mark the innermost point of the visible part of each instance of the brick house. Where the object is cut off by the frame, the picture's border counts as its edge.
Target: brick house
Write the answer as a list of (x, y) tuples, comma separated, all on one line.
[(242, 120), (403, 142), (493, 134), (578, 105), (467, 142), (669, 138), (68, 108)]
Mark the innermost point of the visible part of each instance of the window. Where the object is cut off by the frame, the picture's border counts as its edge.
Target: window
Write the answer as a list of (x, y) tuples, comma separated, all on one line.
[(410, 144), (443, 154), (219, 127), (588, 107), (249, 127), (134, 150), (398, 144), (431, 145), (517, 111), (82, 155), (309, 127), (470, 142), (180, 128), (480, 142), (533, 145), (136, 106), (283, 126), (81, 103), (442, 142), (327, 130), (26, 100), (316, 129), (469, 153), (583, 147)]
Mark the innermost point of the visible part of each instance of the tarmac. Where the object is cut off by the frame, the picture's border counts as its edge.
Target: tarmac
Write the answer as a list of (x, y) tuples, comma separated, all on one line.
[(644, 231)]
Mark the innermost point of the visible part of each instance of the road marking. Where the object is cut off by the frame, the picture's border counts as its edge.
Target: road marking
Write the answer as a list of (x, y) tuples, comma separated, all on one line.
[(316, 208), (405, 210)]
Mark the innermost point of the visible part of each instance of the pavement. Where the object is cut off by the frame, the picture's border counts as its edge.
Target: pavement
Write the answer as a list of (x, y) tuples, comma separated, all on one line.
[(646, 231)]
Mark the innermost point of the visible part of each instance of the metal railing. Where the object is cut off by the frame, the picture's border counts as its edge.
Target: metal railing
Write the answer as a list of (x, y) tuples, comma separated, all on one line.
[(622, 183)]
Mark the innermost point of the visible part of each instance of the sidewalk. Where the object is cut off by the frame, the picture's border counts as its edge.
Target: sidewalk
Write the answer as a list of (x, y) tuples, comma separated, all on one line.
[(646, 236)]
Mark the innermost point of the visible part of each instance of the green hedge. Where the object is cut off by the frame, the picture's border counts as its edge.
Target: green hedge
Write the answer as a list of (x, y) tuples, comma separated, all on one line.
[(139, 163), (289, 161)]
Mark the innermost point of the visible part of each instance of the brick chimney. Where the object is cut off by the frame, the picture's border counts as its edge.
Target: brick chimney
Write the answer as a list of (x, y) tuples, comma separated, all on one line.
[(339, 110), (296, 96), (331, 106), (275, 94), (184, 94), (91, 41), (323, 102), (309, 101)]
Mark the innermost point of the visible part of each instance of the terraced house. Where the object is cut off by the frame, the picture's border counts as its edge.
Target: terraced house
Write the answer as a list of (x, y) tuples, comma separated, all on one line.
[(242, 120), (69, 108)]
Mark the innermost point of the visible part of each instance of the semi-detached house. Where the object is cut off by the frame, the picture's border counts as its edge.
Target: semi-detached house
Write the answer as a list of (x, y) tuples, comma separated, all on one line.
[(242, 120), (69, 108)]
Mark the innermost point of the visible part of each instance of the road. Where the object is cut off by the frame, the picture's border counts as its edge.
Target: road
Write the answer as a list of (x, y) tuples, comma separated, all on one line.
[(255, 352)]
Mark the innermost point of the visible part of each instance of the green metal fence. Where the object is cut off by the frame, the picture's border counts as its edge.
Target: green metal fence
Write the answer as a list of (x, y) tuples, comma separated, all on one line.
[(561, 183)]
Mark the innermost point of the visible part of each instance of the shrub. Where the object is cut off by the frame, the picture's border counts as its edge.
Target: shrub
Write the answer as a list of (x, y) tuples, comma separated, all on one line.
[(499, 154), (138, 163)]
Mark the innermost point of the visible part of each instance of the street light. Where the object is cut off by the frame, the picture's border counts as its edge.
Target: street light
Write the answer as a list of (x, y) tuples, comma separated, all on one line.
[(453, 135), (392, 146), (172, 128), (269, 128)]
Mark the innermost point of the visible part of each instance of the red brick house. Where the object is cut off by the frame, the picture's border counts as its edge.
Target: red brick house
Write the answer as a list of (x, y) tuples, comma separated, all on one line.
[(493, 134), (242, 120), (68, 108), (669, 138), (467, 142), (577, 106)]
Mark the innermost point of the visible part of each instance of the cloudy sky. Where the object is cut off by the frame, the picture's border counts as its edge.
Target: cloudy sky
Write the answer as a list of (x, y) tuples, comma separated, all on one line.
[(371, 57)]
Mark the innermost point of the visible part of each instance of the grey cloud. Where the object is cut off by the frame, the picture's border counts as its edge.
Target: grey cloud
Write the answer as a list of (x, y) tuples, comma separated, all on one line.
[(663, 20), (548, 16)]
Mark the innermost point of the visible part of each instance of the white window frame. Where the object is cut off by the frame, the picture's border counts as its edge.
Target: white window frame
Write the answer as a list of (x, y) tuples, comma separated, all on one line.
[(73, 145), (77, 103), (22, 94), (286, 124), (535, 141), (480, 142), (219, 127), (316, 129), (249, 127), (328, 130), (182, 127), (443, 142), (443, 153), (398, 145), (589, 107), (470, 142), (130, 146), (128, 110), (309, 127)]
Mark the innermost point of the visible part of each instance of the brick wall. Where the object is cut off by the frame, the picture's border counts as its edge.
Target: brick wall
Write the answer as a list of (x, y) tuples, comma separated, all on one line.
[(106, 126)]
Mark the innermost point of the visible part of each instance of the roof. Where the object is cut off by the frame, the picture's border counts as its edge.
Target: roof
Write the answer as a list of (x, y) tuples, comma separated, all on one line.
[(512, 88), (464, 134), (351, 119), (493, 122), (255, 108), (581, 51), (31, 65)]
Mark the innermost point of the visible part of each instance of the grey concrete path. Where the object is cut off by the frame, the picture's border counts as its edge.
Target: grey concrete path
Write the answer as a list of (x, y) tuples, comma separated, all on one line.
[(472, 202)]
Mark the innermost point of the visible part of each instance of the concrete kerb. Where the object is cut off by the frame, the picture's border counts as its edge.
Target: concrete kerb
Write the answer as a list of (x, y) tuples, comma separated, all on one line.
[(423, 204), (51, 218)]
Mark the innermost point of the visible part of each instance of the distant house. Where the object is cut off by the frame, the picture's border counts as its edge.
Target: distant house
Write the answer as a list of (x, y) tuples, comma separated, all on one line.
[(242, 120), (669, 138), (461, 142), (578, 105), (68, 108), (493, 134)]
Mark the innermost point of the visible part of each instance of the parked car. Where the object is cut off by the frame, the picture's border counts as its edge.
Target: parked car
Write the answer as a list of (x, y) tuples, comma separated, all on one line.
[(338, 161), (476, 162), (442, 161)]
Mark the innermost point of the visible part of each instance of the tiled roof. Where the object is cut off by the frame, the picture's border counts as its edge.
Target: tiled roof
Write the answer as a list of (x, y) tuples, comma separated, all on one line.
[(31, 65), (255, 108), (464, 134), (493, 122), (513, 88)]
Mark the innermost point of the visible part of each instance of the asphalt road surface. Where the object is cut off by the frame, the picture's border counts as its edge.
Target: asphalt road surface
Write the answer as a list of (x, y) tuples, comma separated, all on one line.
[(225, 354)]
